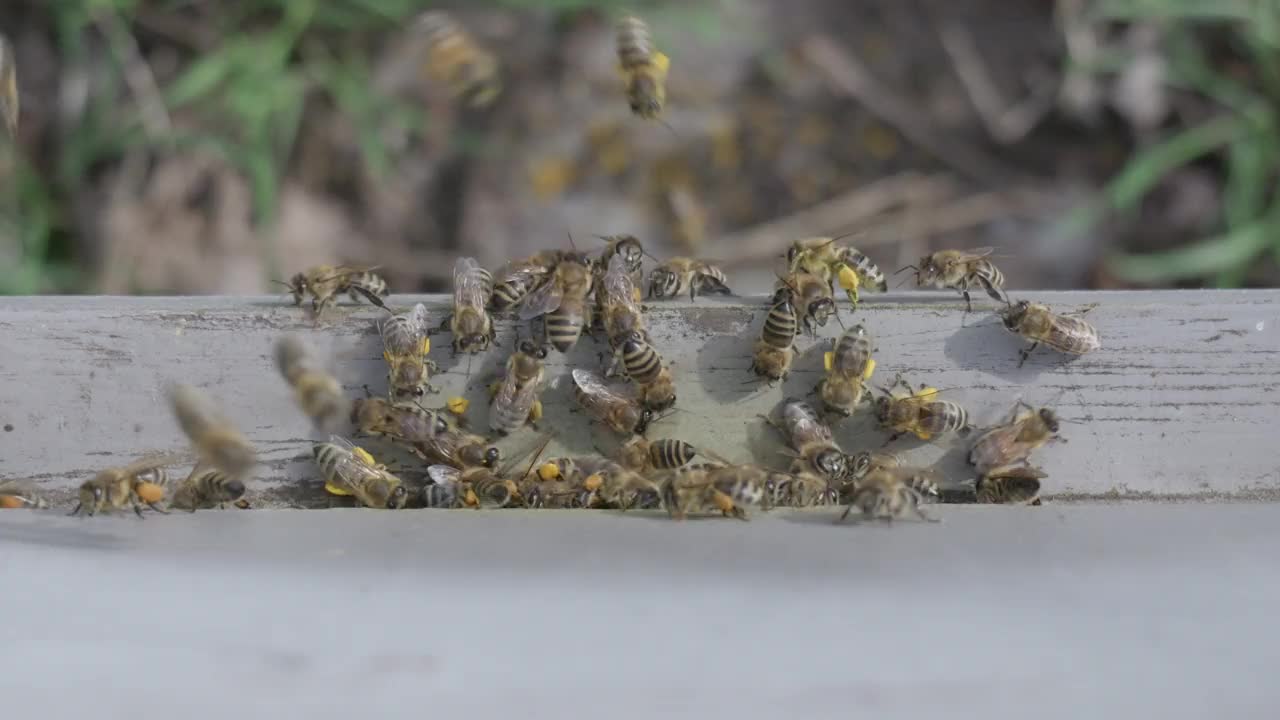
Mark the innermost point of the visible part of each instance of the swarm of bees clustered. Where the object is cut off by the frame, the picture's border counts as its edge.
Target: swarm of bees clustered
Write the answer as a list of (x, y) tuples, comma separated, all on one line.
[(565, 293)]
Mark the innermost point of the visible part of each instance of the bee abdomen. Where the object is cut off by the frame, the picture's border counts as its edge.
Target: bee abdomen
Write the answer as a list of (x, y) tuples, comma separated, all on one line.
[(989, 274), (641, 361), (441, 497), (780, 326), (563, 329), (667, 454), (866, 268), (326, 456), (948, 417), (635, 48), (509, 293), (712, 279)]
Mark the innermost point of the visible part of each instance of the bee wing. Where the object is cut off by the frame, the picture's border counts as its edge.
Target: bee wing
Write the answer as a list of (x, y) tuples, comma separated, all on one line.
[(519, 399), (404, 334), (342, 271), (618, 287), (352, 473), (468, 284), (444, 474), (8, 87), (976, 253), (597, 395), (542, 301), (152, 461)]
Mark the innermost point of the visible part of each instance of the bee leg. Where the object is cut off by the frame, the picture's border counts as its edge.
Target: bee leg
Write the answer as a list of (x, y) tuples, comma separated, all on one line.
[(76, 511), (845, 514), (137, 508), (1024, 353), (157, 508), (968, 303)]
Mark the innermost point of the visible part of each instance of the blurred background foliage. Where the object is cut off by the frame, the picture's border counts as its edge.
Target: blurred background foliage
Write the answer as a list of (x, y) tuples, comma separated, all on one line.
[(201, 146)]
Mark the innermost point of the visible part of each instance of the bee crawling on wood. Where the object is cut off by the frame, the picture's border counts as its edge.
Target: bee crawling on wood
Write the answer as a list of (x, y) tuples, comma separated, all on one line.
[(727, 489), (316, 390), (405, 345), (812, 446), (618, 410), (141, 482), (811, 296), (349, 470), (961, 271), (849, 366), (1037, 323), (472, 328), (428, 433), (888, 493), (207, 487), (326, 282), (1010, 485), (919, 412), (643, 68), (775, 350), (515, 396), (561, 301), (681, 274), (643, 455), (1001, 456), (628, 248)]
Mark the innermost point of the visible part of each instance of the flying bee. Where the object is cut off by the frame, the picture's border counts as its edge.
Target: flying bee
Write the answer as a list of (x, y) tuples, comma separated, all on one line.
[(811, 296), (455, 60), (688, 218), (428, 433), (682, 274), (515, 399), (405, 344), (562, 301), (316, 390), (919, 412), (849, 366), (518, 279), (885, 494), (207, 487), (642, 455), (775, 350), (472, 328), (628, 248), (217, 442), (349, 470), (113, 488), (643, 68), (729, 489), (1037, 323), (834, 263), (326, 282), (1010, 485), (9, 108), (961, 271), (620, 412), (1012, 442), (475, 487)]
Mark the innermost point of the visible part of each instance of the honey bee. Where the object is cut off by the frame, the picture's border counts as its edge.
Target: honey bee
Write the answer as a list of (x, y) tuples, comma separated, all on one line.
[(1012, 442), (134, 484), (960, 270), (642, 455), (811, 296), (454, 60), (9, 107), (515, 399), (628, 248), (919, 412), (349, 470), (681, 274), (885, 494), (813, 449), (652, 379), (849, 366), (1010, 485), (1037, 323), (619, 412), (729, 489), (405, 344), (326, 282), (643, 68), (834, 263), (474, 487), (316, 391), (562, 301), (775, 351), (428, 433), (206, 488), (618, 306), (217, 442), (564, 482), (688, 218), (518, 279), (15, 494), (798, 489), (472, 328)]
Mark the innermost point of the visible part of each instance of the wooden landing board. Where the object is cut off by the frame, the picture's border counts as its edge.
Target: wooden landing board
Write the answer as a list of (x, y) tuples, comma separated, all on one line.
[(1183, 399)]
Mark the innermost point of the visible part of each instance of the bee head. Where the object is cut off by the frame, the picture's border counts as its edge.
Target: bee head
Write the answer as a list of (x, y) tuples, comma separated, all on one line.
[(662, 283), (831, 463), (1050, 419), (1012, 314), (883, 403), (491, 456), (234, 489), (298, 287), (398, 498), (646, 416), (632, 253)]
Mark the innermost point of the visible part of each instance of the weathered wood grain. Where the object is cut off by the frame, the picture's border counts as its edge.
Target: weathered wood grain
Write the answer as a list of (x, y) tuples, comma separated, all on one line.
[(1181, 401)]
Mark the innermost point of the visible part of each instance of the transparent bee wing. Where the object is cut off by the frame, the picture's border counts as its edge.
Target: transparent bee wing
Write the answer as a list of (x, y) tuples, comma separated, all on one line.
[(468, 284), (8, 87), (618, 287), (542, 301), (342, 271), (404, 335), (353, 474), (444, 474)]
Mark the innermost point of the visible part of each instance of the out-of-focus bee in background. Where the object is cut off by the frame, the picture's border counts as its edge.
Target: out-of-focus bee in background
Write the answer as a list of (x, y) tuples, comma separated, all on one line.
[(688, 218), (887, 494), (834, 263), (472, 328), (515, 396), (133, 484), (562, 301), (18, 494), (1039, 324), (644, 69), (206, 487), (849, 366), (455, 60), (350, 470), (326, 282), (405, 345), (682, 274), (428, 433), (217, 442), (620, 412), (919, 412), (9, 97), (811, 297), (317, 392), (961, 271), (775, 350)]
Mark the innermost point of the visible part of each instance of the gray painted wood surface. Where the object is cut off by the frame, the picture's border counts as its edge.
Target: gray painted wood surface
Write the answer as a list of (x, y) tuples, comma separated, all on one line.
[(1181, 400)]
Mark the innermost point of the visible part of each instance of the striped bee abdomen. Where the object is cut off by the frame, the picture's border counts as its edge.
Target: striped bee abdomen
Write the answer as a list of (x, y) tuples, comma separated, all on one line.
[(667, 454), (641, 361), (780, 325)]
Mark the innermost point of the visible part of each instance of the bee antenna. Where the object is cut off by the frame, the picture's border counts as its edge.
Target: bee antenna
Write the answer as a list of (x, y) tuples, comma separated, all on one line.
[(907, 267), (281, 282), (571, 243), (667, 125)]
